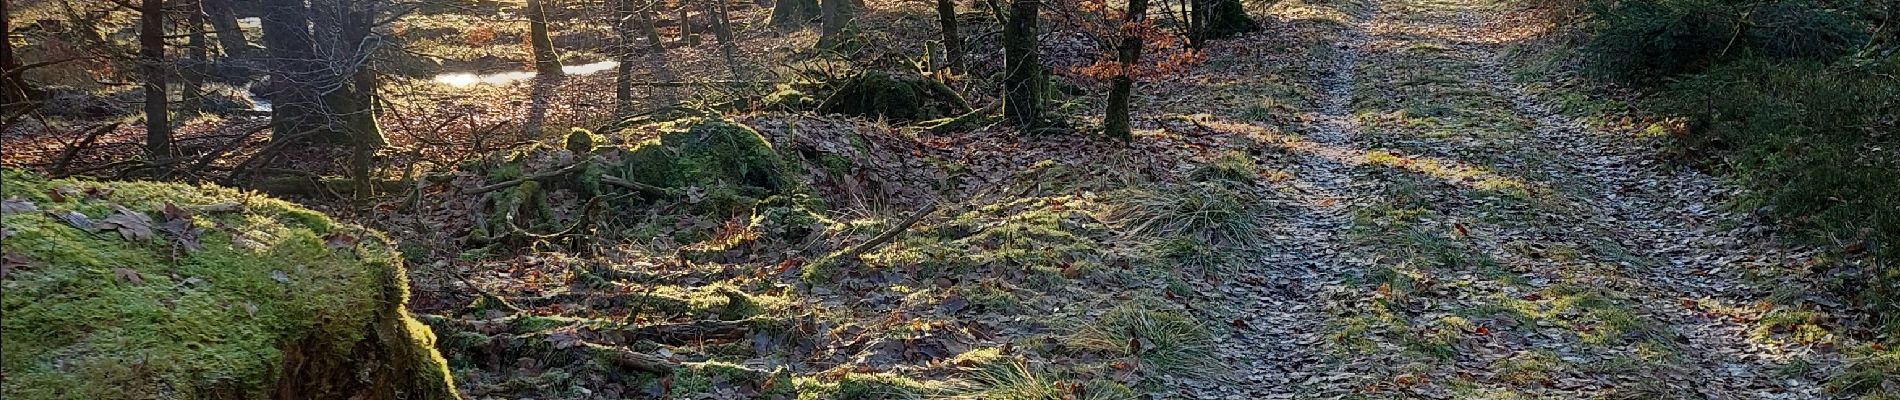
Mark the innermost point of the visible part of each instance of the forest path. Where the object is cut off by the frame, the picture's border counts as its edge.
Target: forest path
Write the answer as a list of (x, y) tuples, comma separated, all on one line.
[(1448, 235)]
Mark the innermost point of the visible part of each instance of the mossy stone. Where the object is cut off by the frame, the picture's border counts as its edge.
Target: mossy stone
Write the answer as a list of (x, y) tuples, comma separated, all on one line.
[(269, 300), (704, 152)]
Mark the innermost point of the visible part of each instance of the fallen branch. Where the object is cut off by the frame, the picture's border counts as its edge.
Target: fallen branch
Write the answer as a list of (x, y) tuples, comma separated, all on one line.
[(72, 150), (945, 125), (642, 187), (630, 359), (888, 235), (536, 177), (684, 333)]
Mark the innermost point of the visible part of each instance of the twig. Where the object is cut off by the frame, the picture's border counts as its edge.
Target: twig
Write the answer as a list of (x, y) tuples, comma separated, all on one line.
[(66, 157), (888, 235), (517, 181), (642, 187)]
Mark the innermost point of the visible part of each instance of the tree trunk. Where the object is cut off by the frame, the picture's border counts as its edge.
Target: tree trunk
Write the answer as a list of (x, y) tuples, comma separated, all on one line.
[(295, 107), (794, 13), (624, 21), (722, 31), (158, 135), (834, 18), (686, 26), (952, 43), (230, 35), (1022, 101), (654, 42), (14, 88), (546, 62), (1116, 122), (346, 39), (1216, 19), (192, 93)]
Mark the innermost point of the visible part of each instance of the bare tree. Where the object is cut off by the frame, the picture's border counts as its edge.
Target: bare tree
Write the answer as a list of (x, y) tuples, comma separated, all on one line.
[(624, 21), (546, 62), (952, 42), (293, 66), (1128, 54), (224, 21), (722, 31), (835, 14), (1022, 101), (12, 88), (158, 135), (197, 46)]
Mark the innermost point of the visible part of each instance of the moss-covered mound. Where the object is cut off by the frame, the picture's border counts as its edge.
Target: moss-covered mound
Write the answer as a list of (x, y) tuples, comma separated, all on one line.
[(698, 152), (141, 290), (878, 94)]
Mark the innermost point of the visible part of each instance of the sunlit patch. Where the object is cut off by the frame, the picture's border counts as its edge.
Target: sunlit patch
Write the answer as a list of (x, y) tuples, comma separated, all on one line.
[(1452, 172), (463, 79)]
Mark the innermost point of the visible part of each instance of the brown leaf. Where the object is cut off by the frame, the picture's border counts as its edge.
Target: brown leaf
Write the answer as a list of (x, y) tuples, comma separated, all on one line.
[(339, 241), (173, 212), (9, 261), (131, 225)]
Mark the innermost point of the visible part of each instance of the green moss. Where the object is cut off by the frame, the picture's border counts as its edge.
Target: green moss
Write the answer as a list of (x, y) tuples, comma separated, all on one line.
[(1049, 237), (701, 152), (883, 95), (859, 386), (581, 141), (94, 316)]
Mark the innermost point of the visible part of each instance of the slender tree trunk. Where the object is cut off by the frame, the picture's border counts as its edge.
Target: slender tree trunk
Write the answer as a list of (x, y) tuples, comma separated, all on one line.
[(11, 84), (230, 35), (192, 93), (654, 42), (346, 41), (686, 25), (1116, 121), (546, 62), (952, 42), (833, 16), (1022, 102), (624, 21), (295, 107), (722, 31), (158, 135)]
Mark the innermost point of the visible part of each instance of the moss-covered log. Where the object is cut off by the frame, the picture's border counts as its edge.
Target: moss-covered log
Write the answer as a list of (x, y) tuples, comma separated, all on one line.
[(141, 290)]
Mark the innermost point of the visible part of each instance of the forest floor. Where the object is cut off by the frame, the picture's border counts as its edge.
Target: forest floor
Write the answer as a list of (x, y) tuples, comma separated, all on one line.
[(1447, 234), (1366, 199)]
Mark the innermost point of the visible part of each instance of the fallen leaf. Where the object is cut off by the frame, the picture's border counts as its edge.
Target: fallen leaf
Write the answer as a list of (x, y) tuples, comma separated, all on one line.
[(339, 241), (131, 225), (9, 261), (17, 205), (75, 218), (173, 212)]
